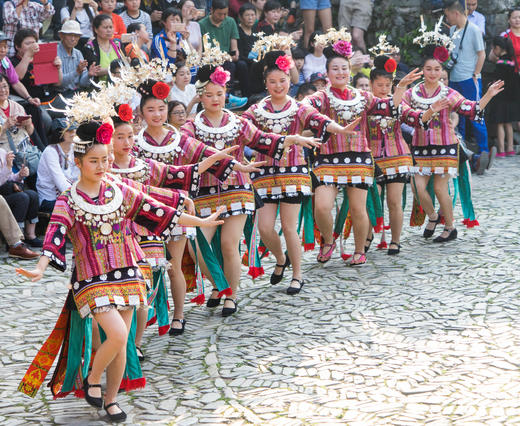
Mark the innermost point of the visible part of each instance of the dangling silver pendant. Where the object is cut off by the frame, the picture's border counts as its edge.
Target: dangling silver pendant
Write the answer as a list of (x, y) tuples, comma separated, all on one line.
[(219, 144), (106, 229)]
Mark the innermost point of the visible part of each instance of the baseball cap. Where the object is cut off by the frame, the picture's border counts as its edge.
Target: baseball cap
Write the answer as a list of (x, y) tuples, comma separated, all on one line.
[(317, 76)]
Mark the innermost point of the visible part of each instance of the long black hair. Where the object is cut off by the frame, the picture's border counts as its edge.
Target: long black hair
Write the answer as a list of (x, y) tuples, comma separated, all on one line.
[(70, 6)]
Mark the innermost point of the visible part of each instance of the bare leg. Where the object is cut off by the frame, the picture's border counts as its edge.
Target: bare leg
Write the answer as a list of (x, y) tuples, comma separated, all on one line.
[(324, 197), (309, 18), (500, 137), (394, 196), (421, 182), (358, 38), (142, 319), (229, 241), (440, 185), (177, 280), (289, 217), (271, 239), (325, 16), (30, 230), (358, 210), (509, 136)]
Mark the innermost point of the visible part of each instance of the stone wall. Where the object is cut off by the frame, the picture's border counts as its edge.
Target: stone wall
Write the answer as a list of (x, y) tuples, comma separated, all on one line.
[(400, 19)]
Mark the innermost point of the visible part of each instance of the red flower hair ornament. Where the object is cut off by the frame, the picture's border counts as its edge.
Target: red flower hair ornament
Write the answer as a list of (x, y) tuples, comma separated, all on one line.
[(390, 65), (160, 90), (284, 63), (125, 112), (104, 133), (220, 76), (441, 54)]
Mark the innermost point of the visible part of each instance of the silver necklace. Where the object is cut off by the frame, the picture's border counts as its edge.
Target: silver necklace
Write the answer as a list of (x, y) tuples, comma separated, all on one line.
[(349, 109), (276, 122), (163, 153), (140, 172), (218, 137), (100, 216), (419, 102)]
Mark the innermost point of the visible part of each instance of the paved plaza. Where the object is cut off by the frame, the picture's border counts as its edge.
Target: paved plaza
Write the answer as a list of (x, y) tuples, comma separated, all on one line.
[(429, 336)]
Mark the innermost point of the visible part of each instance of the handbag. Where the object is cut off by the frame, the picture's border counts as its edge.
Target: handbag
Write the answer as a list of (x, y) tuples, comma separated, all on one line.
[(26, 155)]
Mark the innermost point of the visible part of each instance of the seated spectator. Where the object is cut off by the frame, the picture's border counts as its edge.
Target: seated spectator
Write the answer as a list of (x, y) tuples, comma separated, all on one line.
[(166, 42), (134, 15), (356, 15), (137, 48), (56, 170), (82, 13), (176, 114), (19, 130), (223, 29), (12, 234), (247, 37), (183, 91), (319, 80), (102, 49), (22, 202), (25, 14), (270, 18), (155, 9), (361, 82), (306, 89), (76, 75), (189, 13), (315, 61), (107, 8), (115, 68), (259, 7)]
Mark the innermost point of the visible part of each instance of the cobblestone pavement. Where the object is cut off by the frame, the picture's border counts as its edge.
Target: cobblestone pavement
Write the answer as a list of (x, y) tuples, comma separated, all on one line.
[(429, 336)]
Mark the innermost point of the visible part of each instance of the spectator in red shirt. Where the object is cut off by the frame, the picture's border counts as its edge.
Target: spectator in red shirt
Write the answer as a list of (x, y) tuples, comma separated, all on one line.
[(107, 8)]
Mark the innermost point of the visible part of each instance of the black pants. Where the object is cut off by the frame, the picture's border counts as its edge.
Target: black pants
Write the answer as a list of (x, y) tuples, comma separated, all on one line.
[(24, 205), (240, 72)]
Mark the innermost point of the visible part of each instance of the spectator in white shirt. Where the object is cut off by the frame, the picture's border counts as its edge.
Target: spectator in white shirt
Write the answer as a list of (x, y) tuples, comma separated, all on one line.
[(183, 91), (56, 170), (475, 17), (189, 14), (316, 60), (84, 14)]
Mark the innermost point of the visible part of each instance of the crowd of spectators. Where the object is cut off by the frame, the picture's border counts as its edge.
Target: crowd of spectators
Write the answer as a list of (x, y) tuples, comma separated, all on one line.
[(93, 37)]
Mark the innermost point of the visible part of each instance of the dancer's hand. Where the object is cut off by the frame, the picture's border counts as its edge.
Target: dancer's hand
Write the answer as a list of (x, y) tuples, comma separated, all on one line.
[(250, 167), (440, 105), (409, 78), (349, 129), (35, 275), (212, 159), (303, 141), (189, 206), (214, 220), (496, 88)]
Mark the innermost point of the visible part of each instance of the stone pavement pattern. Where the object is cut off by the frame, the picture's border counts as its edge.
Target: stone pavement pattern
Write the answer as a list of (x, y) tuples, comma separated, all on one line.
[(431, 335)]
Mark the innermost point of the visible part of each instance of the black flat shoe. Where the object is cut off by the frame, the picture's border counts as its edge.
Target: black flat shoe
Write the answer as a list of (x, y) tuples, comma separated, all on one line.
[(213, 303), (140, 353), (369, 240), (295, 290), (391, 251), (429, 232), (451, 236), (91, 400), (226, 312), (178, 331), (276, 278), (118, 417)]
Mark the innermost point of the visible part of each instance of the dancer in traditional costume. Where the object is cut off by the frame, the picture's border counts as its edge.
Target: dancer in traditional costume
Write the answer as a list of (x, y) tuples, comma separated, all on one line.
[(391, 154), (436, 149), (285, 184), (346, 160), (220, 128), (96, 215)]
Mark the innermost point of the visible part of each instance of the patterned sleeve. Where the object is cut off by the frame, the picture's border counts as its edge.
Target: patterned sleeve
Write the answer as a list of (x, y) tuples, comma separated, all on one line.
[(463, 106), (195, 151), (249, 114), (171, 197), (174, 177), (383, 107), (312, 119), (143, 210), (61, 221), (315, 100), (412, 117), (269, 144)]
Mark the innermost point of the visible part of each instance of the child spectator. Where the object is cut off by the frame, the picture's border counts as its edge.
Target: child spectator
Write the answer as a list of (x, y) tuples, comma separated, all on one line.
[(298, 56), (504, 109), (361, 82), (107, 8), (315, 61), (306, 89), (83, 13), (183, 91), (137, 48), (319, 80), (176, 114), (133, 15), (56, 169)]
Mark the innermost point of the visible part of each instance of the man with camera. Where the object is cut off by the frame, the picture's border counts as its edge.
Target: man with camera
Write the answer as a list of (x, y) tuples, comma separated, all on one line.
[(467, 60)]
